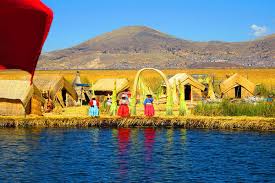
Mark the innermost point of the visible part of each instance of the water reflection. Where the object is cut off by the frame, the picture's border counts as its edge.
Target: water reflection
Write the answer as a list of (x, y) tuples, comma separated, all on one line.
[(123, 140), (123, 146), (183, 134), (134, 155), (169, 135), (149, 134), (135, 136), (95, 135)]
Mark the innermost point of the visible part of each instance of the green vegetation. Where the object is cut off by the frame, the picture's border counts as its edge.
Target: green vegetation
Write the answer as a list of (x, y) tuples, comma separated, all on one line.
[(226, 108), (182, 108), (113, 110), (263, 91), (169, 104)]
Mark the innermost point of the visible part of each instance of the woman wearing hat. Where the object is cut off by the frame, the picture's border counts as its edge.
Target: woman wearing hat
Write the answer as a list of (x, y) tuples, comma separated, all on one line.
[(123, 110), (94, 105), (148, 106)]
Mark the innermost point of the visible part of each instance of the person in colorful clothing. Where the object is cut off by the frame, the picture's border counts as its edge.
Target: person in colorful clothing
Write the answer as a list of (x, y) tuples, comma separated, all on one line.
[(269, 99), (123, 110), (94, 107), (148, 106)]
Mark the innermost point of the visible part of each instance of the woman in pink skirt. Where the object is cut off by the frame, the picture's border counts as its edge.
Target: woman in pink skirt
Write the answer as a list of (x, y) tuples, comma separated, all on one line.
[(148, 106)]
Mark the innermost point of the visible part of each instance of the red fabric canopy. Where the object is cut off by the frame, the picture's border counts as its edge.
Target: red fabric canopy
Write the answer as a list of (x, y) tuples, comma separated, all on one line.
[(24, 28)]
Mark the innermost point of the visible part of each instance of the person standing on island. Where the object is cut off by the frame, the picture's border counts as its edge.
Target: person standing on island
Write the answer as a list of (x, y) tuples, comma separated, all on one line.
[(49, 106), (94, 107), (123, 110), (269, 99), (148, 106), (108, 103)]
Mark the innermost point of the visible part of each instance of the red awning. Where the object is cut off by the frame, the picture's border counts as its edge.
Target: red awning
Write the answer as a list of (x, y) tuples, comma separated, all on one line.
[(24, 28)]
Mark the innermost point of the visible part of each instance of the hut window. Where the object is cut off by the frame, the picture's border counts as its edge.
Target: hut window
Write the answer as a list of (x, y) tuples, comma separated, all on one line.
[(187, 92), (238, 91)]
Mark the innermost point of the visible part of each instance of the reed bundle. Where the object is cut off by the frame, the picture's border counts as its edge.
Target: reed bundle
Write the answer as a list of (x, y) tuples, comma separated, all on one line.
[(202, 122)]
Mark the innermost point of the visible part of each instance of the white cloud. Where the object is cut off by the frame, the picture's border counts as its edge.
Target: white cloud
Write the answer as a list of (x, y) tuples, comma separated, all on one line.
[(258, 30)]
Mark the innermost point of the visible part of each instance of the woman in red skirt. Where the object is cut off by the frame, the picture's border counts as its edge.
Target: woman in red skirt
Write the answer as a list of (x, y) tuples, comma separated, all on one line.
[(148, 106), (123, 110)]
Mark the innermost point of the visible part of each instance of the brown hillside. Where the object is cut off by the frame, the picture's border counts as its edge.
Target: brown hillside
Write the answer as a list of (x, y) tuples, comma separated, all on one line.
[(135, 47)]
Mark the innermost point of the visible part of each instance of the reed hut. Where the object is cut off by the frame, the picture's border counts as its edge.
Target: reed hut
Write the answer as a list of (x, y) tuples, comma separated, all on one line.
[(104, 87), (57, 89), (18, 97), (237, 86), (193, 89)]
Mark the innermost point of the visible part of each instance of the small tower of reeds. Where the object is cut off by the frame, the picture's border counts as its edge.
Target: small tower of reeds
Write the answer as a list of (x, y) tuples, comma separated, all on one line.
[(78, 89), (113, 109), (182, 108), (211, 93), (169, 103), (174, 92)]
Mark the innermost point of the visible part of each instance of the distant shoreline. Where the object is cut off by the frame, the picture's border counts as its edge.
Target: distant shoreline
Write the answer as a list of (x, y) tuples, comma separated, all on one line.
[(189, 122), (133, 69), (164, 69)]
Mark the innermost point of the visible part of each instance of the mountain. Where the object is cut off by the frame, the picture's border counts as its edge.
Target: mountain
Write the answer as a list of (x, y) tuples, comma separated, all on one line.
[(135, 47)]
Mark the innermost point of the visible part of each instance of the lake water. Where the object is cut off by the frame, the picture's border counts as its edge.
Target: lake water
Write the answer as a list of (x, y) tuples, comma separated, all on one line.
[(135, 155)]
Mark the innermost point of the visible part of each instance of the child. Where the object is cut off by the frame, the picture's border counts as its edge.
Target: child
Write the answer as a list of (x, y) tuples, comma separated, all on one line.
[(108, 103), (123, 110), (94, 105), (148, 106)]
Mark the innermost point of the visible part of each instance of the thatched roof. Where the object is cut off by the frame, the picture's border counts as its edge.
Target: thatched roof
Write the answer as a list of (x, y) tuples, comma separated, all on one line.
[(53, 84), (108, 84), (185, 79), (18, 90), (236, 80)]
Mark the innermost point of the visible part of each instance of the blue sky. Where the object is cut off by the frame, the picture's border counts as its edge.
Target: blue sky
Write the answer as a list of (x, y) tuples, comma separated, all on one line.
[(76, 21)]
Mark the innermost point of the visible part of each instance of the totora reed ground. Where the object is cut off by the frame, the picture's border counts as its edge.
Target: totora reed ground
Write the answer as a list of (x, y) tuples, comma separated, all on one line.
[(77, 116)]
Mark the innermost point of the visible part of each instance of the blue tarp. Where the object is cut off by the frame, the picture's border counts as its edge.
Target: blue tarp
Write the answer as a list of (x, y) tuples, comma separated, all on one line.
[(82, 84)]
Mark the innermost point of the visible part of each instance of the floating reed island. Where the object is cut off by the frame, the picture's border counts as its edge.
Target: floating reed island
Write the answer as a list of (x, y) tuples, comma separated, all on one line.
[(188, 122), (194, 100)]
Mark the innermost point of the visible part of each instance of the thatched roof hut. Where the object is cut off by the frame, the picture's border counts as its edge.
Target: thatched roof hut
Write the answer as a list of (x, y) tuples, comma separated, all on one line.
[(192, 88), (57, 87), (237, 86), (106, 86), (18, 97)]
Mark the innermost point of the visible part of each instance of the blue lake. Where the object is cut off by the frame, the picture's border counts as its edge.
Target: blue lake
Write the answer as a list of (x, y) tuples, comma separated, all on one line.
[(135, 155)]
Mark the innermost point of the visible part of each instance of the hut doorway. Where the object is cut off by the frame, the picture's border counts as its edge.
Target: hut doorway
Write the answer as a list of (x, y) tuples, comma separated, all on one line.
[(187, 92), (238, 91), (64, 97), (87, 99)]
